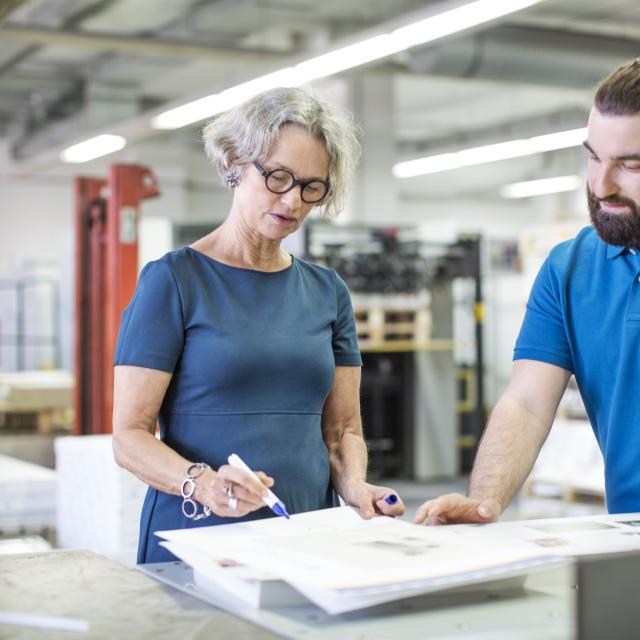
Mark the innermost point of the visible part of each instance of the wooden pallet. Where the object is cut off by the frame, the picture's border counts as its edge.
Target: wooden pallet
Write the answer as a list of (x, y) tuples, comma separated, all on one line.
[(47, 420), (383, 326), (563, 490)]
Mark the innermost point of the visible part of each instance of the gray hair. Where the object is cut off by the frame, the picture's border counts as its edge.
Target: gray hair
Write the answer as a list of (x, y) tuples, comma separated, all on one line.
[(245, 134)]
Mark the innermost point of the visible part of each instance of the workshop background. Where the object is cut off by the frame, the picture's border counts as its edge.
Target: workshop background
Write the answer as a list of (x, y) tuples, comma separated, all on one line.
[(439, 254)]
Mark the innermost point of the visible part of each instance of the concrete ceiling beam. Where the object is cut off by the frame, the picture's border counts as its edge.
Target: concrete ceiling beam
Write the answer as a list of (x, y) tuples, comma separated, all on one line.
[(7, 7), (128, 44)]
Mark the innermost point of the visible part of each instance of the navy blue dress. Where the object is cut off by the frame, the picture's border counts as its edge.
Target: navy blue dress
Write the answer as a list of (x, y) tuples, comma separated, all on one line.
[(253, 357)]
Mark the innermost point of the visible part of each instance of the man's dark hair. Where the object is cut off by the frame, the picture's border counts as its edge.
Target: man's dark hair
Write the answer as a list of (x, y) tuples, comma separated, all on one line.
[(619, 94)]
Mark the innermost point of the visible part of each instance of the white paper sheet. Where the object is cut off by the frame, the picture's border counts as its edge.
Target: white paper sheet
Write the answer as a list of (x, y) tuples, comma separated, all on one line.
[(343, 562), (570, 536), (252, 586)]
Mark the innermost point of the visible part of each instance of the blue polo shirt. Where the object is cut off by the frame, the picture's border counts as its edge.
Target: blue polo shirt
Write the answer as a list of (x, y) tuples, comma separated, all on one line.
[(583, 315)]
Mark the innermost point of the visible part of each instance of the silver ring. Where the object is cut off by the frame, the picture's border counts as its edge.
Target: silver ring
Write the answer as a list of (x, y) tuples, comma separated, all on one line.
[(233, 503), (229, 490)]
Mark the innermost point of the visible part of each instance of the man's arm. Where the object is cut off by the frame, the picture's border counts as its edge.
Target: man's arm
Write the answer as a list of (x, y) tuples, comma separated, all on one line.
[(516, 431)]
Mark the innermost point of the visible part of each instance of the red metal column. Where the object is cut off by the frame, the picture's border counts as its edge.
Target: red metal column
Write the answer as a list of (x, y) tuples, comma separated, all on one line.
[(89, 238), (128, 186), (106, 276)]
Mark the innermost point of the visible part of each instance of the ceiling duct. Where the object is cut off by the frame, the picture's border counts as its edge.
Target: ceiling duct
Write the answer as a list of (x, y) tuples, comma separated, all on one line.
[(526, 55), (7, 7)]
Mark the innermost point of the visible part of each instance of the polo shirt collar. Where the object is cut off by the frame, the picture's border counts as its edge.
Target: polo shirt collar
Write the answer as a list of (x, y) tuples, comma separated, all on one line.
[(613, 251)]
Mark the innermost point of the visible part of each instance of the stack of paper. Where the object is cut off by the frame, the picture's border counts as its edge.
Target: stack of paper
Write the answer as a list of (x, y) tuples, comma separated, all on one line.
[(341, 562), (99, 503), (27, 495), (254, 587)]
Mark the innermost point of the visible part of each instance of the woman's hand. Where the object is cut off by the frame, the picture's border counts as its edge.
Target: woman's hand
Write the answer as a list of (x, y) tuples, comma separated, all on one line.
[(231, 492), (372, 499)]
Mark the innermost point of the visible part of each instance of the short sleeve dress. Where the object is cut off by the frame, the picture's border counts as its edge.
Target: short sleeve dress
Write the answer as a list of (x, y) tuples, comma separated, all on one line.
[(253, 357)]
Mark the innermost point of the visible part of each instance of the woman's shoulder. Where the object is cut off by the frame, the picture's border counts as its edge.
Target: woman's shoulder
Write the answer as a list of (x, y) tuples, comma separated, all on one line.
[(324, 276), (176, 266), (312, 267), (318, 271), (177, 257), (177, 260)]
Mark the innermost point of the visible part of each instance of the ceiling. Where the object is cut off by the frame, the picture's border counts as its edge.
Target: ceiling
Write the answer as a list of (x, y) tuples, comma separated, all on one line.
[(68, 66)]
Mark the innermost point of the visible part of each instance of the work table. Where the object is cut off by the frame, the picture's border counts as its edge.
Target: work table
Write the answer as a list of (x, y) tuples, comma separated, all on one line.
[(116, 601)]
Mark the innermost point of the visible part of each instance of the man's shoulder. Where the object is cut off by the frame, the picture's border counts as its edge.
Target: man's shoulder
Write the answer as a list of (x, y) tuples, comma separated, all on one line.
[(582, 247)]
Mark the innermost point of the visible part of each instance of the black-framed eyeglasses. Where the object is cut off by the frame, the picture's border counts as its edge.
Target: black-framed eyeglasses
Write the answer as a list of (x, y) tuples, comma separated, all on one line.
[(281, 181)]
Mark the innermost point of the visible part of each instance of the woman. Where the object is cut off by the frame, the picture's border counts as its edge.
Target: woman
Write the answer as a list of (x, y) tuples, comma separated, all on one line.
[(233, 346)]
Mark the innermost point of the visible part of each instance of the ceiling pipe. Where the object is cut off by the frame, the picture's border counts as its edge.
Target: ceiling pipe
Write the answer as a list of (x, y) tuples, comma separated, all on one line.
[(128, 44), (7, 7), (528, 55)]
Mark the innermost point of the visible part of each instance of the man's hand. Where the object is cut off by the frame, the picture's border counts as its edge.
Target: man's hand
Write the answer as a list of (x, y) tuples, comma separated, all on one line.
[(455, 508)]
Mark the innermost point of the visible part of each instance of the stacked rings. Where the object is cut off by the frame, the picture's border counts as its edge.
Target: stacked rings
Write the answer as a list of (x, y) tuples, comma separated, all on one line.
[(232, 501)]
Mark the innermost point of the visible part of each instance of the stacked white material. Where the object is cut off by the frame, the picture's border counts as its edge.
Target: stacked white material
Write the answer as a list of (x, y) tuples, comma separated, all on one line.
[(99, 503), (23, 544), (33, 390), (27, 495), (568, 477)]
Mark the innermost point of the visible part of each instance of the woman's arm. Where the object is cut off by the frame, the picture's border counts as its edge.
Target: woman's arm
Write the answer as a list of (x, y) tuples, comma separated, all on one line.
[(342, 432), (137, 398)]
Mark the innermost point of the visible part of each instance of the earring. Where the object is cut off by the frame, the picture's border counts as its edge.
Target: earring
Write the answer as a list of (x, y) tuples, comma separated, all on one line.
[(232, 180)]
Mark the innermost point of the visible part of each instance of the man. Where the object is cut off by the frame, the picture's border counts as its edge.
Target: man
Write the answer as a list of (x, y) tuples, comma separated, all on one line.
[(582, 318)]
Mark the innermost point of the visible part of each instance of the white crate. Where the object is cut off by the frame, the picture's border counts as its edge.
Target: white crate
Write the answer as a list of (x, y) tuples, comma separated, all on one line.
[(99, 503)]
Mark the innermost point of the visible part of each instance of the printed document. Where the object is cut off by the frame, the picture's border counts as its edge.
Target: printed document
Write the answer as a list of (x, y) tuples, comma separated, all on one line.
[(342, 562)]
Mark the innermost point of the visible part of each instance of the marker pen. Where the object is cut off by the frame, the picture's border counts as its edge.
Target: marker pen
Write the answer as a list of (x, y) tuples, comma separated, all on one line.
[(271, 499)]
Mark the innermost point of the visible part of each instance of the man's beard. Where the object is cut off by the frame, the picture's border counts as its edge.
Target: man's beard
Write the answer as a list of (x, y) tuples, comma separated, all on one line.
[(622, 229)]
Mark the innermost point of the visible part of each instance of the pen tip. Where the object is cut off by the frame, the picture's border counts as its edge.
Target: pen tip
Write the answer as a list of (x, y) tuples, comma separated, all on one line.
[(280, 510)]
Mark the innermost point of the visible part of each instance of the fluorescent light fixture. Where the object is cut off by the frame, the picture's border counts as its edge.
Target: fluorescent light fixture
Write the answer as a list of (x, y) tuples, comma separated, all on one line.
[(455, 20), (542, 187), (349, 57), (93, 148), (217, 103), (421, 32), (490, 153), (354, 55)]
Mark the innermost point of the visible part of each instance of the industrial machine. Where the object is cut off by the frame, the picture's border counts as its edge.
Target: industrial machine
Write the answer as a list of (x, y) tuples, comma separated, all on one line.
[(422, 397)]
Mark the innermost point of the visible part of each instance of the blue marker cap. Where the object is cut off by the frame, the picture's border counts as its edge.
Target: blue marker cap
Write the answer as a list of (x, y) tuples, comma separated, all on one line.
[(278, 508), (392, 498)]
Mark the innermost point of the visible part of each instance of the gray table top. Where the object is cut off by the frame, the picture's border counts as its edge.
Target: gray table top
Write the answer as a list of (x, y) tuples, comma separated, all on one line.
[(116, 601), (121, 602), (540, 607)]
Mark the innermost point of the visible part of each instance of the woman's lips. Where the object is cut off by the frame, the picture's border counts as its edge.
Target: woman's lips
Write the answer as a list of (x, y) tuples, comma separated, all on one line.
[(280, 219)]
